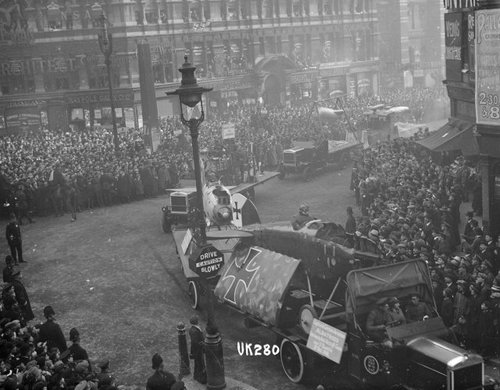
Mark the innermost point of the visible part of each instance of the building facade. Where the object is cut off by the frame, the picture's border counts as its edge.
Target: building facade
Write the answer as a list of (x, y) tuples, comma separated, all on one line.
[(411, 42), (52, 71), (473, 84)]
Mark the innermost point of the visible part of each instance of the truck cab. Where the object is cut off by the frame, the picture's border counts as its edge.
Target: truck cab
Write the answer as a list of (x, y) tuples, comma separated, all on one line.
[(422, 354), (303, 158)]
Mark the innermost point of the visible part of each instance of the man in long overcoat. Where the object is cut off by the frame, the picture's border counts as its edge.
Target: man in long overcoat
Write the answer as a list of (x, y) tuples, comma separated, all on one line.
[(197, 353), (14, 239)]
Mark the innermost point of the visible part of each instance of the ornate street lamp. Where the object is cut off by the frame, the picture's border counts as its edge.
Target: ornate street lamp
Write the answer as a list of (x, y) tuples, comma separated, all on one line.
[(105, 40), (190, 96)]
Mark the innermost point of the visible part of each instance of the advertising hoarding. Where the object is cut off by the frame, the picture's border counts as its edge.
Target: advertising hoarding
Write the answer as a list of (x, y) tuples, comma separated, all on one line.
[(488, 67), (453, 45)]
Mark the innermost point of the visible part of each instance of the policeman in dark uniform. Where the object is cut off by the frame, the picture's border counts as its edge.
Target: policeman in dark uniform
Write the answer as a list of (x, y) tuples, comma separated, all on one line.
[(13, 235), (161, 379), (51, 332), (299, 220)]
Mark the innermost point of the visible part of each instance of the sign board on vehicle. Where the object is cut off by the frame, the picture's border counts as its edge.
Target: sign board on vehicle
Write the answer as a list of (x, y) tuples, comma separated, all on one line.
[(326, 340), (206, 261), (228, 131)]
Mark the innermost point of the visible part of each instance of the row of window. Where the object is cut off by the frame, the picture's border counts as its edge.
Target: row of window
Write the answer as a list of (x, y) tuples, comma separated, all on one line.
[(237, 56), (63, 81), (72, 15)]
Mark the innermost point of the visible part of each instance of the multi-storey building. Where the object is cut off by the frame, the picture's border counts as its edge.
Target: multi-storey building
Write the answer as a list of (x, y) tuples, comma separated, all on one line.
[(473, 85), (411, 42), (52, 71)]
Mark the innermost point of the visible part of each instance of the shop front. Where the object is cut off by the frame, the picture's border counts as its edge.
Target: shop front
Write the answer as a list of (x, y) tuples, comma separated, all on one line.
[(332, 79), (22, 115), (303, 85), (93, 108), (237, 90), (363, 82)]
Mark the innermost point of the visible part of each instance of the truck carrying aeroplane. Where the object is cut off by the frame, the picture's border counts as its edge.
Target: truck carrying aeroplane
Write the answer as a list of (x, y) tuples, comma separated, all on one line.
[(315, 297)]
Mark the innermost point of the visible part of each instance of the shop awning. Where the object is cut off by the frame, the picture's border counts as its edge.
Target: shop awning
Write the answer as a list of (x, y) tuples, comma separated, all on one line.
[(448, 137)]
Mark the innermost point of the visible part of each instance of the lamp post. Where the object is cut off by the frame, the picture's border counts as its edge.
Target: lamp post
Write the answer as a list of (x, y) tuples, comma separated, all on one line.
[(190, 96), (105, 40)]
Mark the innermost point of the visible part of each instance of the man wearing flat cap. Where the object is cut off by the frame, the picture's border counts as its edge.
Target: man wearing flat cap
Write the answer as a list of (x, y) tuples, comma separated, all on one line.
[(377, 320), (51, 332), (161, 379)]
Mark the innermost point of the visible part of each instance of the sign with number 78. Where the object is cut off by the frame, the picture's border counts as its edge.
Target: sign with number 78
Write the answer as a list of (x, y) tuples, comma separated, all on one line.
[(487, 67)]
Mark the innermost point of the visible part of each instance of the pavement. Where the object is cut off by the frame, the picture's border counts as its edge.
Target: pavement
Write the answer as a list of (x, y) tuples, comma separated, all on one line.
[(231, 384)]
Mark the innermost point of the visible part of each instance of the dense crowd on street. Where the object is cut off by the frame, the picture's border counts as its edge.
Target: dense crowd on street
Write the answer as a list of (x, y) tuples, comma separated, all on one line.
[(53, 172), (410, 208)]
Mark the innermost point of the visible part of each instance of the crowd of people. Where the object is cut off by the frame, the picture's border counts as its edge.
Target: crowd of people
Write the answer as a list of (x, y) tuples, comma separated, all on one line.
[(52, 172), (38, 356), (410, 208)]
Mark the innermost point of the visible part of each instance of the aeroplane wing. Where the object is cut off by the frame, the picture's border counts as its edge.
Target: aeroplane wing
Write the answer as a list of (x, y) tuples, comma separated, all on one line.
[(254, 280)]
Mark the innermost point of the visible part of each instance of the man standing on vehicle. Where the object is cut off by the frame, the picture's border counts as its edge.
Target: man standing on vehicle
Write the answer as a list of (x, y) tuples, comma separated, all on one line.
[(300, 219), (350, 227)]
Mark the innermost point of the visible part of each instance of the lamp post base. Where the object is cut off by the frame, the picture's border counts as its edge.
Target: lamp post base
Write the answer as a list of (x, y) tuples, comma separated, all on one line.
[(214, 361)]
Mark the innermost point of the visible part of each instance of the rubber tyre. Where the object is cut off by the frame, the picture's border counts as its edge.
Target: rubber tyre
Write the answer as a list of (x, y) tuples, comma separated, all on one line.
[(292, 361), (194, 295)]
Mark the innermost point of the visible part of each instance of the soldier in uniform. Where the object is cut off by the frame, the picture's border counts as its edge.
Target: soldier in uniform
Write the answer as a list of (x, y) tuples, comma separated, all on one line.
[(300, 219), (377, 321), (13, 235)]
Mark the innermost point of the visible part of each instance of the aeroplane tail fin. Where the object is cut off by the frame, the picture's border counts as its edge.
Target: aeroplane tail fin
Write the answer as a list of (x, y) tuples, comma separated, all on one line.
[(244, 211)]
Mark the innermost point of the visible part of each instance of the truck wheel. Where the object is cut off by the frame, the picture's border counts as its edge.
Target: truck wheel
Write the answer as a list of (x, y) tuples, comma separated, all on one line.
[(292, 361), (193, 294), (165, 224)]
